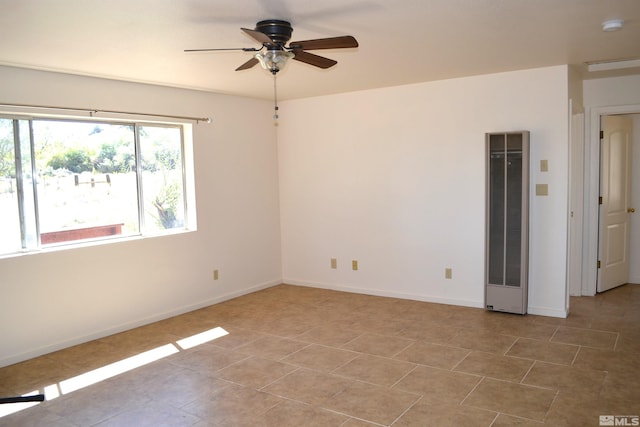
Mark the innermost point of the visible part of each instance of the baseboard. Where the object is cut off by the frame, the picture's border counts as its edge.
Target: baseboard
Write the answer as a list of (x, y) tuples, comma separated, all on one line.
[(384, 293), (549, 312), (541, 311), (16, 358)]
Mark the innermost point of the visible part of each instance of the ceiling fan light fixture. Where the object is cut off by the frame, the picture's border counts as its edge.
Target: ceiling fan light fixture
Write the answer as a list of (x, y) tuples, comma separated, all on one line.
[(273, 35), (612, 25), (273, 60)]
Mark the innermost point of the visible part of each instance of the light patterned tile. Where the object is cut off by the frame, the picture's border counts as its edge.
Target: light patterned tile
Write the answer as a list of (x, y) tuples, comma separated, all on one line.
[(445, 415), (308, 386), (438, 385), (511, 421), (185, 388), (608, 360), (97, 403), (511, 399), (432, 332), (543, 350), (236, 337), (234, 405), (207, 359), (320, 357), (254, 372), (270, 347), (492, 365), (622, 387), (487, 341), (294, 414), (573, 408), (529, 329), (586, 337), (380, 345), (36, 416), (375, 369), (439, 356), (353, 422), (565, 377), (371, 403), (330, 334), (151, 415)]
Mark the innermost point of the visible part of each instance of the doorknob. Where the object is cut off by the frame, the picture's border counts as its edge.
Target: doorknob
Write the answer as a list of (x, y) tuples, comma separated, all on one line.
[(631, 210)]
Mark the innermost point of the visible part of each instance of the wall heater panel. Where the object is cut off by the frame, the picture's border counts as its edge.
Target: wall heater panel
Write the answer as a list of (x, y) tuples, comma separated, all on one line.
[(507, 222)]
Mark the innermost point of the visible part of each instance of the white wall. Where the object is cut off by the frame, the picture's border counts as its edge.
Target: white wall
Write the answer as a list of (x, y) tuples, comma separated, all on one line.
[(614, 91), (394, 178), (576, 184), (634, 251), (55, 299), (616, 95)]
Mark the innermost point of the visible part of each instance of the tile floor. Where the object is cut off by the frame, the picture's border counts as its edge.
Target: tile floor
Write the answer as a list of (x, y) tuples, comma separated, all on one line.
[(297, 356)]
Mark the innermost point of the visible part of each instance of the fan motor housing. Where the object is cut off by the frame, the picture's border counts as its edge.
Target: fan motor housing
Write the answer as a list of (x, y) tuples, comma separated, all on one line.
[(277, 30)]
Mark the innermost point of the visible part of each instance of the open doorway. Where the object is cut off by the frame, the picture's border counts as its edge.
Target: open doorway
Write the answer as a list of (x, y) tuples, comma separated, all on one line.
[(615, 201), (591, 237)]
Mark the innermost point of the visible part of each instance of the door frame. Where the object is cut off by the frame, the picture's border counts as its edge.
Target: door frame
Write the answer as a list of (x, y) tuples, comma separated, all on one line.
[(592, 192)]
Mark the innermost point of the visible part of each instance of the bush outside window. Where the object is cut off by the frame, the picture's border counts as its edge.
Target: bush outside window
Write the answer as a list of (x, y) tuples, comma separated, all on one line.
[(93, 180)]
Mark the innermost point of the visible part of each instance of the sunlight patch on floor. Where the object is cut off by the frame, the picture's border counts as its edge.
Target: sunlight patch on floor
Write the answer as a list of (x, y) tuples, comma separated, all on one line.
[(201, 338), (117, 368), (109, 371), (10, 408)]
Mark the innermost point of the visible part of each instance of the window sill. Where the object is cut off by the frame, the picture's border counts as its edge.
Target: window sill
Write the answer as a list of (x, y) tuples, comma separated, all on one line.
[(81, 244)]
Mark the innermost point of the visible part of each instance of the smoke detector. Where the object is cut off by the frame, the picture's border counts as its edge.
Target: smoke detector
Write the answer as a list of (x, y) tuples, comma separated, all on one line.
[(612, 25)]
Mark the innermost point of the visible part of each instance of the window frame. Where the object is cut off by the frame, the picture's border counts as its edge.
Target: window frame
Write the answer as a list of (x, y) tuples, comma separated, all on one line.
[(186, 180)]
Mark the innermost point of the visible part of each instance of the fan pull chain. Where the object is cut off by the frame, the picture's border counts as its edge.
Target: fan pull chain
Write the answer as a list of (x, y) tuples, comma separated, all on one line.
[(275, 98)]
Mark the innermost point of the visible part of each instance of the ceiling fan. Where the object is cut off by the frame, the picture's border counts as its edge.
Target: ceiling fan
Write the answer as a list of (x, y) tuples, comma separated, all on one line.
[(274, 34)]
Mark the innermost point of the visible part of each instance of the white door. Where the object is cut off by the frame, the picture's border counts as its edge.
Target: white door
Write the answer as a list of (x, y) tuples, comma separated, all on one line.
[(615, 191)]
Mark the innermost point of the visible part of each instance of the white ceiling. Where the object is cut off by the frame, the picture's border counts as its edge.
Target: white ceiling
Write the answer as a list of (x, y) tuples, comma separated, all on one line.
[(401, 41)]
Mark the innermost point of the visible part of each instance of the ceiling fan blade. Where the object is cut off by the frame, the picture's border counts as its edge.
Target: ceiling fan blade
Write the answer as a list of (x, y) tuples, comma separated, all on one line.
[(316, 60), (327, 43), (250, 63), (259, 36), (245, 49)]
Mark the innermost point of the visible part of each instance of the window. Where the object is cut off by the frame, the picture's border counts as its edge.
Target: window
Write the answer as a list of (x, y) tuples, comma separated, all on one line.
[(93, 180)]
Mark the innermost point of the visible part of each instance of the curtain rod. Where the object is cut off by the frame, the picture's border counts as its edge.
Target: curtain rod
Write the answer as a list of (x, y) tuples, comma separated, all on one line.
[(93, 111)]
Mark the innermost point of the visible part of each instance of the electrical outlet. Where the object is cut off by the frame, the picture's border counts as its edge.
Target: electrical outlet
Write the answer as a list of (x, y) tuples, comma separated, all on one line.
[(216, 274), (354, 264), (334, 263), (448, 273)]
